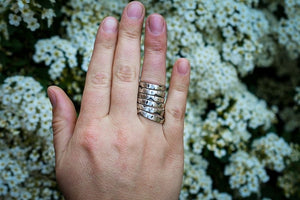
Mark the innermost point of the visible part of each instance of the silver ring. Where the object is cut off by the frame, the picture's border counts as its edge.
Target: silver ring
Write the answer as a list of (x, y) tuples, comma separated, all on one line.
[(152, 86), (152, 92), (159, 111), (151, 97), (152, 117), (150, 103)]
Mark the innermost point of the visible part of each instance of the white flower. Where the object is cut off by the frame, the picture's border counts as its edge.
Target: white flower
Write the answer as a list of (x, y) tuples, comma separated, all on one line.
[(49, 15), (190, 16), (25, 195), (189, 4), (3, 189), (14, 19), (244, 191), (32, 24)]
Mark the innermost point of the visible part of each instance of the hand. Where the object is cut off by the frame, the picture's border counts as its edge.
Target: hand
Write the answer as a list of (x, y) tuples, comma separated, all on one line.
[(109, 151)]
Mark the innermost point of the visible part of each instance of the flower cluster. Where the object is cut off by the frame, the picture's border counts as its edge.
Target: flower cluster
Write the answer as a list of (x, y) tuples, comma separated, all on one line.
[(246, 172), (24, 106), (234, 28), (295, 155), (197, 182), (226, 128), (24, 10), (56, 53), (272, 150), (26, 149), (289, 28), (85, 17), (289, 182), (242, 28)]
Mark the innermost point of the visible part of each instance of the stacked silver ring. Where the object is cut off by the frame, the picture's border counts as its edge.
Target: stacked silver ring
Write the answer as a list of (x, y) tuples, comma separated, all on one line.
[(151, 101)]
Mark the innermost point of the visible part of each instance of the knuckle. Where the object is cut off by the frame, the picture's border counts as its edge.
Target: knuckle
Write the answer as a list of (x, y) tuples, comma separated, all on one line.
[(182, 88), (176, 112), (155, 46), (89, 140), (130, 34), (100, 80), (105, 41), (109, 44), (125, 143), (57, 126), (121, 141), (125, 73)]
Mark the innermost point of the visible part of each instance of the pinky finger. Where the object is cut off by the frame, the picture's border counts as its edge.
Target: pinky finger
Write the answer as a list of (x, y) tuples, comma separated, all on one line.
[(176, 103)]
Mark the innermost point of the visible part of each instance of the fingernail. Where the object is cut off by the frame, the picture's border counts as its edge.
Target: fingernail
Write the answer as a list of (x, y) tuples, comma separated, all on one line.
[(182, 68), (134, 10), (109, 25), (52, 98), (156, 24)]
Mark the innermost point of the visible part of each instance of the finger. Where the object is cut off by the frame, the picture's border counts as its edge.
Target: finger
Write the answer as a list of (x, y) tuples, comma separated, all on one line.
[(127, 62), (64, 119), (96, 95), (176, 103), (154, 67)]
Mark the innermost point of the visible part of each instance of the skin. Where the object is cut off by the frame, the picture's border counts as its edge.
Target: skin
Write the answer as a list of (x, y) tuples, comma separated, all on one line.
[(109, 151)]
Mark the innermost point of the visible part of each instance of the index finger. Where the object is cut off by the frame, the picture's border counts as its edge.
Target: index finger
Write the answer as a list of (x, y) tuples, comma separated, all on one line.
[(96, 96)]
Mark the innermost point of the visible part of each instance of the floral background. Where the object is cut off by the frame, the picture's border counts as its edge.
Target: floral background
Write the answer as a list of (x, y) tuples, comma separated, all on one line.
[(242, 122)]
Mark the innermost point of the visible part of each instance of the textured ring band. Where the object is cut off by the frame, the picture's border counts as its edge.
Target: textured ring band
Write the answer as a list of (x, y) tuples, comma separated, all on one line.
[(150, 103), (152, 86), (159, 111), (152, 117), (151, 97), (152, 92)]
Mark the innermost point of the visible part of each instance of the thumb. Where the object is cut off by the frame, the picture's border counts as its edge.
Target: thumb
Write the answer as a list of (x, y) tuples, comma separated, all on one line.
[(64, 118)]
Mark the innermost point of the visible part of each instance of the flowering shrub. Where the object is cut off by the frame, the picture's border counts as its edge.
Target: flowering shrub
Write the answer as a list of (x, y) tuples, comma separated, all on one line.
[(56, 53), (242, 125), (24, 10), (26, 153)]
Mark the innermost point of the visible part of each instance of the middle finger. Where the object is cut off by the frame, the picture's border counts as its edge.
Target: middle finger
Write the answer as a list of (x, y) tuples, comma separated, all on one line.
[(127, 62)]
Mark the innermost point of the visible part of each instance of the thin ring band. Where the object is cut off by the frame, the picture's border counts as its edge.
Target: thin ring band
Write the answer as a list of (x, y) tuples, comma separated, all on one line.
[(152, 86), (152, 92), (152, 117), (151, 97), (150, 103), (159, 111)]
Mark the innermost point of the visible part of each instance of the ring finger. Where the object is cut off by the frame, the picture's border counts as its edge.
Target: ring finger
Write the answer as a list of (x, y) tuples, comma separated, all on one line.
[(154, 67)]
